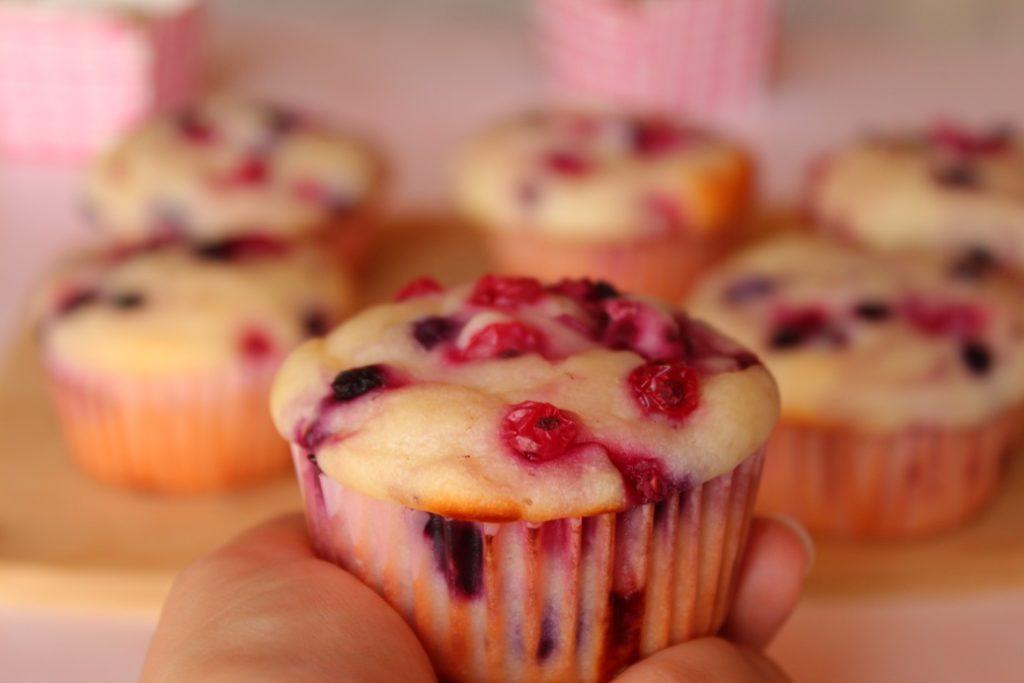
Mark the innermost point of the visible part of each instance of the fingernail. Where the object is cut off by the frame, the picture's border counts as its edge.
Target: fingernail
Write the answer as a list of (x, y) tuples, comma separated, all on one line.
[(805, 538)]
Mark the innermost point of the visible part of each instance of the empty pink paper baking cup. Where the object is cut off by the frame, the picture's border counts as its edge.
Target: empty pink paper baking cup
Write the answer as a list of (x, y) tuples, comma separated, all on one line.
[(573, 599), (179, 435), (72, 78), (683, 56), (912, 483)]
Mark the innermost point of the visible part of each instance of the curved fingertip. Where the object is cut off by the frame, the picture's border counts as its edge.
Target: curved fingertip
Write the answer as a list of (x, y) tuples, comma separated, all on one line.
[(704, 659), (771, 576), (804, 536)]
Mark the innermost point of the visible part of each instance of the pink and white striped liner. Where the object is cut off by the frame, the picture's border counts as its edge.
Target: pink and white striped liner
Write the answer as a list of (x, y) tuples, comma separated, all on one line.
[(917, 482), (572, 599), (686, 57), (71, 81)]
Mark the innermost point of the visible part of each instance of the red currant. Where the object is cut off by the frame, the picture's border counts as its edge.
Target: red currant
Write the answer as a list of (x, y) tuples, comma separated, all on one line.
[(538, 432), (663, 387)]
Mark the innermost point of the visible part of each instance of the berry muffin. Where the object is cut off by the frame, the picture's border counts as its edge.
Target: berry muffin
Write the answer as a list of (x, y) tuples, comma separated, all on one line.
[(548, 482), (950, 189), (225, 168), (902, 381), (161, 358), (642, 201)]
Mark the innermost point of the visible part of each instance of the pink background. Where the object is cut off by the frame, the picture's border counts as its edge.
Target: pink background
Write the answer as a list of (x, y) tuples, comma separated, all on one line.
[(455, 67)]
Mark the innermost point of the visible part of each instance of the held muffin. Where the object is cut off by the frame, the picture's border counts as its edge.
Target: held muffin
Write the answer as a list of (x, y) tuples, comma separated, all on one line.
[(951, 189), (161, 359), (227, 167), (546, 482), (640, 200), (902, 381)]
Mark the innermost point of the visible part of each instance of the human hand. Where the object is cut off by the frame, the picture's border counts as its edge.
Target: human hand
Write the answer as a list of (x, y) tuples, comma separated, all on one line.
[(265, 608)]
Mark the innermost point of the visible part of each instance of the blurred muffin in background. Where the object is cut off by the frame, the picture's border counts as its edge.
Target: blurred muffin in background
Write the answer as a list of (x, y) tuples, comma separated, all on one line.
[(227, 167), (951, 189), (902, 381), (640, 200), (161, 358)]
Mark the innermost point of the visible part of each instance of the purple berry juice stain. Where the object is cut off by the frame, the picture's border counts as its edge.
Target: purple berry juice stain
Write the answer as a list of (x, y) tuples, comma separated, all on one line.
[(458, 549)]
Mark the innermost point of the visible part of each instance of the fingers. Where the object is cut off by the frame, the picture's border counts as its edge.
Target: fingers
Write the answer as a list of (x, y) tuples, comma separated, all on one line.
[(706, 660), (779, 556), (263, 607)]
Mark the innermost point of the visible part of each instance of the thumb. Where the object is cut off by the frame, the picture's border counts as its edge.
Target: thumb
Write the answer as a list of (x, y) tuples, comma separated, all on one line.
[(706, 660)]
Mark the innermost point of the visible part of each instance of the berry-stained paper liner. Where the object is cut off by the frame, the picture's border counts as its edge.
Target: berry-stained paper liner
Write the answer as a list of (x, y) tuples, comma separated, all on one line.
[(664, 268), (572, 599), (688, 57), (188, 434), (73, 78), (914, 483)]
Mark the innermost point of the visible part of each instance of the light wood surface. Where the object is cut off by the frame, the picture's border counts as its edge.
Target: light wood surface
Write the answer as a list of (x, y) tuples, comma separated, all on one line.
[(68, 542)]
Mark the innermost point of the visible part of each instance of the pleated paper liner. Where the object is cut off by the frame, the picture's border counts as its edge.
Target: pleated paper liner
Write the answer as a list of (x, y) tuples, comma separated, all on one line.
[(917, 482), (573, 599), (189, 434)]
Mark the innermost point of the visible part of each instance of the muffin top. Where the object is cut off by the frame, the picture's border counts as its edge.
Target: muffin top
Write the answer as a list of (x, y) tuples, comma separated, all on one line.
[(226, 167), (510, 400), (879, 343), (170, 309), (600, 177), (951, 189)]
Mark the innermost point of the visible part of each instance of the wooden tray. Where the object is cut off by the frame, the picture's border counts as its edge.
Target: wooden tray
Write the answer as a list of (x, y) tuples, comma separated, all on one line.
[(68, 542)]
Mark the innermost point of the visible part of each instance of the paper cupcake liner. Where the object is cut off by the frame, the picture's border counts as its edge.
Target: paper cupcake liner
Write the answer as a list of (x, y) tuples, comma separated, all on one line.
[(665, 268), (683, 56), (73, 78), (572, 599), (206, 432), (914, 483)]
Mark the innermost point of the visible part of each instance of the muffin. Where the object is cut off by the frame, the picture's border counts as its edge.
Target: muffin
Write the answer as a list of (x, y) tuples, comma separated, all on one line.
[(902, 380), (951, 189), (639, 200), (547, 482), (161, 359), (226, 168)]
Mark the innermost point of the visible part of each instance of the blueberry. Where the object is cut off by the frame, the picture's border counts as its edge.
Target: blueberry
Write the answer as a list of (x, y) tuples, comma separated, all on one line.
[(351, 384), (959, 175), (973, 265), (749, 288), (215, 251), (976, 357), (785, 337), (314, 324), (434, 330), (604, 290), (128, 300), (872, 311)]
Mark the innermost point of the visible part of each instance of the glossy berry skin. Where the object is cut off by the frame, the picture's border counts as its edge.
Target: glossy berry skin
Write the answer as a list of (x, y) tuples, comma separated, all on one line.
[(538, 431), (499, 291), (958, 320), (349, 385), (585, 291), (255, 344), (504, 340), (664, 387), (239, 248), (433, 330), (251, 171), (194, 129), (566, 164), (424, 286)]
